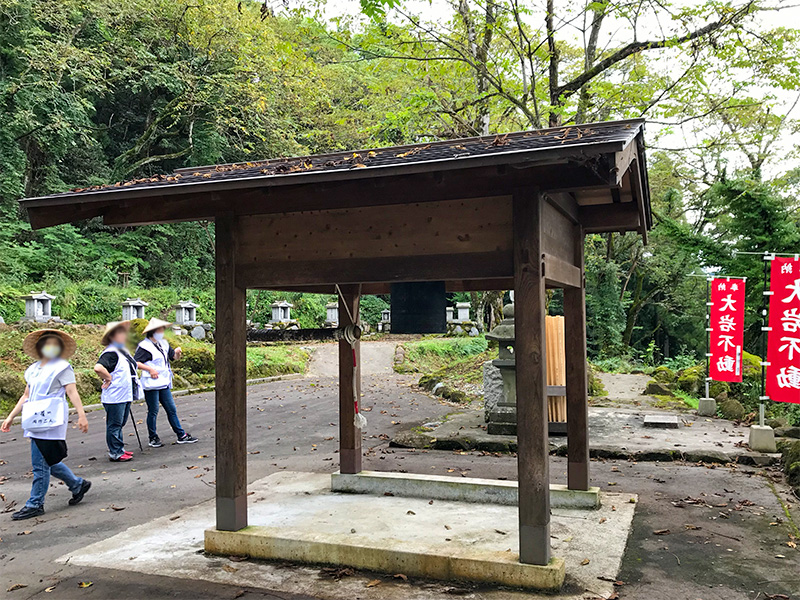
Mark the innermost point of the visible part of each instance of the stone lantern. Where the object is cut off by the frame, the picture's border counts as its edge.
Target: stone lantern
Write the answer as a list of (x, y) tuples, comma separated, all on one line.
[(450, 310), (186, 313), (332, 314), (281, 311), (463, 311), (39, 306), (133, 308), (386, 320), (503, 417)]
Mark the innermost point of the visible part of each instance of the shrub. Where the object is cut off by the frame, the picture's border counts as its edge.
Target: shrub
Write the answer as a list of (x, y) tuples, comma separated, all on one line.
[(664, 374), (197, 360)]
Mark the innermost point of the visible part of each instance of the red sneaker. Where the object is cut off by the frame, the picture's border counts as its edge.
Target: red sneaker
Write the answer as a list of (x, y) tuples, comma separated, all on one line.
[(123, 458), (127, 453)]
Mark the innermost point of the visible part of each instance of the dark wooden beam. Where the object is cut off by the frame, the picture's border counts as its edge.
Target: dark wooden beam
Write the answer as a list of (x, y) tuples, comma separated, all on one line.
[(486, 265), (480, 182), (231, 380), (576, 392), (559, 273), (602, 218), (532, 418), (48, 217), (565, 203), (349, 384)]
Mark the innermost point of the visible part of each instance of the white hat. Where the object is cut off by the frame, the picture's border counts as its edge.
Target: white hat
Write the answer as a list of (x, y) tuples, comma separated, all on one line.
[(154, 324)]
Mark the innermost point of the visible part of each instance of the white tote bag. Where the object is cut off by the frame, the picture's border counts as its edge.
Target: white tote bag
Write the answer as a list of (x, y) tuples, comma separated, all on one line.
[(43, 414)]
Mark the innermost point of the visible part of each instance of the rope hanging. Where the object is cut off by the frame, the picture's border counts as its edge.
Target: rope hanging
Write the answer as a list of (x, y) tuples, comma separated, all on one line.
[(351, 334)]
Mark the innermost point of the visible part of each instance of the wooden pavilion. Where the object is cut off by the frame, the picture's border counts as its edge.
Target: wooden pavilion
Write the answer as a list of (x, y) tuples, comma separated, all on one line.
[(499, 212)]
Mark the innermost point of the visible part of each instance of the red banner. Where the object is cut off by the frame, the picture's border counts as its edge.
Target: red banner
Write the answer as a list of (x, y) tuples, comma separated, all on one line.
[(783, 345), (727, 329)]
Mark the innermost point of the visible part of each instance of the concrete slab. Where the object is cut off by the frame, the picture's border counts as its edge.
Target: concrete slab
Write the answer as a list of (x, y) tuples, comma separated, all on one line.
[(456, 489), (302, 502), (661, 421), (613, 433)]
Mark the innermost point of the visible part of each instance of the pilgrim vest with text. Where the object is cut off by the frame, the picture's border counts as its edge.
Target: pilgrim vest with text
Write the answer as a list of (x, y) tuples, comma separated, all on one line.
[(159, 349), (121, 388)]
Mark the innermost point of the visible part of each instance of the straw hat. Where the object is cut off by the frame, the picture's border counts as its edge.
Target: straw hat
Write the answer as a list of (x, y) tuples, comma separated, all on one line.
[(154, 324), (111, 328), (29, 345)]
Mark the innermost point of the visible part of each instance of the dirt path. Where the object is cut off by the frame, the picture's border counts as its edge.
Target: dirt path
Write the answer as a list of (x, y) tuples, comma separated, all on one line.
[(623, 386), (376, 359)]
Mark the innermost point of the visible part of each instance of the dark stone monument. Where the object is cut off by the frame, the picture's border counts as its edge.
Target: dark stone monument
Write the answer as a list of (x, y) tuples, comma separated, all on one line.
[(419, 307)]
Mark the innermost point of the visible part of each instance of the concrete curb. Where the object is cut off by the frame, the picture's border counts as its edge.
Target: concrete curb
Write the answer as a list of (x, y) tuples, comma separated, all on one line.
[(188, 392), (276, 543), (456, 489)]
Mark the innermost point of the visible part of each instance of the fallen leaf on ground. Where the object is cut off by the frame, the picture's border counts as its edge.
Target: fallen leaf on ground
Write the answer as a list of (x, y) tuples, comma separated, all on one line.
[(662, 532), (85, 584), (691, 527), (603, 520), (411, 512), (401, 576), (229, 569), (117, 508), (16, 586), (25, 533), (585, 561), (374, 582), (50, 589)]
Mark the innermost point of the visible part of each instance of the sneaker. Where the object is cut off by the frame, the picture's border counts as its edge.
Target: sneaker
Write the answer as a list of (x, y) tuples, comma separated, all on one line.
[(85, 487), (187, 439), (26, 512), (155, 443), (127, 453), (123, 458)]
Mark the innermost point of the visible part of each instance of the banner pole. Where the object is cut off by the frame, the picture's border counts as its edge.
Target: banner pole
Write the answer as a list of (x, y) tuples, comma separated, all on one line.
[(764, 305), (708, 337)]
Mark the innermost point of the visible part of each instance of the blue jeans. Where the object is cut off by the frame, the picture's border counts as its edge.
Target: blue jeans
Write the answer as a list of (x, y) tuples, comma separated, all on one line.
[(116, 417), (41, 478), (163, 397)]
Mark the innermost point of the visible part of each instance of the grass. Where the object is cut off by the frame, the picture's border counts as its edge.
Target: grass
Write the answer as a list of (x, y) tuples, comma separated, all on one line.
[(431, 354), (689, 400), (456, 362)]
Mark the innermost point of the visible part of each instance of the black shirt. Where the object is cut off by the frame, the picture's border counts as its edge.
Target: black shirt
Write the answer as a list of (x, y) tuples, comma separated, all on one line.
[(144, 356)]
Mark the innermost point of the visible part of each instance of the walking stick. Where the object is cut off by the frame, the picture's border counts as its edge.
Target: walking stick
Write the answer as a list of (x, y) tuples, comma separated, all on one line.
[(133, 420)]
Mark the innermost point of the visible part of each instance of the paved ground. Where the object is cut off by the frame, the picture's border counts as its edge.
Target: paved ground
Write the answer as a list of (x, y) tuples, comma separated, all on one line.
[(736, 547)]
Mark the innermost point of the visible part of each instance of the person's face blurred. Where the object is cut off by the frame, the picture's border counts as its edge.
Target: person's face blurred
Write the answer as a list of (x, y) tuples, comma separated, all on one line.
[(120, 337)]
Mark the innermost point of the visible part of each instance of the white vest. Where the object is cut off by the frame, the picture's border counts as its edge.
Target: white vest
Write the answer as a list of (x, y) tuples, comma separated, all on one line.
[(121, 388), (160, 362), (50, 420)]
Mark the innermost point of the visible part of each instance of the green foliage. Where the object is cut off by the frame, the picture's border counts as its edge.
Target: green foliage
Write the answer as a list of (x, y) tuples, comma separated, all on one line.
[(446, 347)]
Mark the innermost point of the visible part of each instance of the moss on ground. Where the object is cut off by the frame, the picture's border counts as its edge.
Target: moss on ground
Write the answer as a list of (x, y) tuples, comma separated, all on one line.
[(456, 363)]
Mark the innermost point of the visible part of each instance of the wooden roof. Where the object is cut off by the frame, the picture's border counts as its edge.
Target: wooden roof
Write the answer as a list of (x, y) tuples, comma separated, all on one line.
[(580, 167)]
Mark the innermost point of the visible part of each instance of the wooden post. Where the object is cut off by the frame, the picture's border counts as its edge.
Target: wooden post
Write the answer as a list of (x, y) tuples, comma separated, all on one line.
[(577, 395), (349, 434), (532, 422), (231, 378)]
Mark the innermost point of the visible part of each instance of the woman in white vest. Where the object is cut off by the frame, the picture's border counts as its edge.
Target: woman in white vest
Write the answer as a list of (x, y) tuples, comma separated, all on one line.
[(118, 372), (45, 415), (154, 355)]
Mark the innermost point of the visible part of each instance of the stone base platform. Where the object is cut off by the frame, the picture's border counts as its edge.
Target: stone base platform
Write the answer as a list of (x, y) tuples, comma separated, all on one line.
[(457, 489), (298, 521)]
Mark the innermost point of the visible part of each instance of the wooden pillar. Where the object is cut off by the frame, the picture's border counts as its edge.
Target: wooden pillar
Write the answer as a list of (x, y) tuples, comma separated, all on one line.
[(577, 393), (231, 379), (532, 421), (349, 434)]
